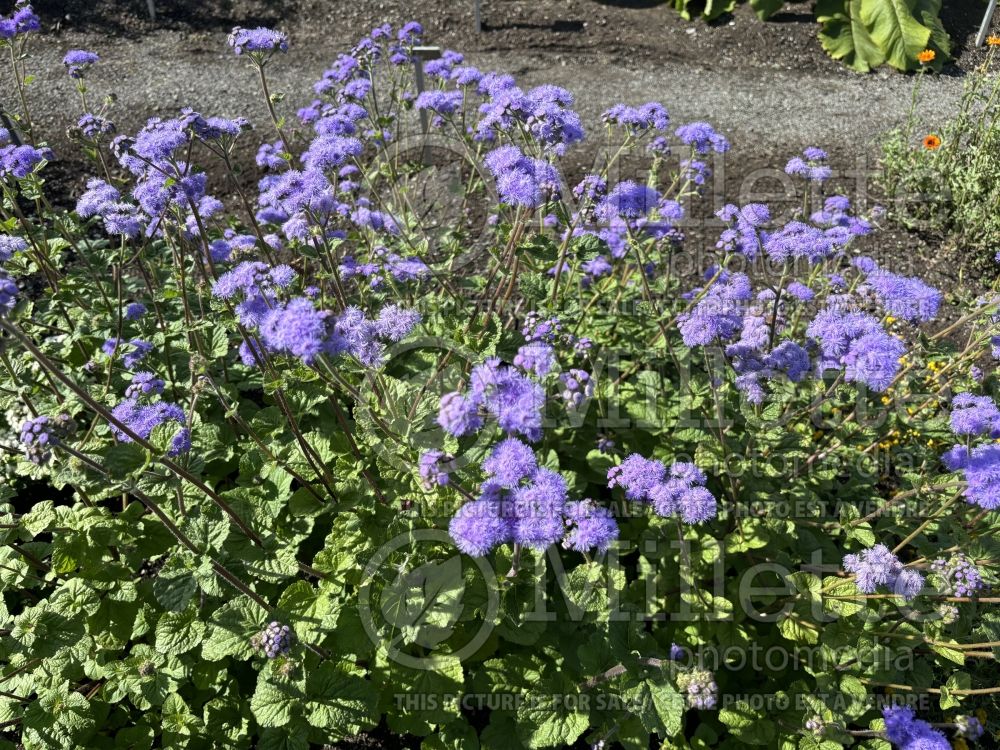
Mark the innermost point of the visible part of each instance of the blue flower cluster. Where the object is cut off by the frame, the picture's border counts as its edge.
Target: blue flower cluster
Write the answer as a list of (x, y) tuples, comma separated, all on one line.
[(78, 61), (957, 575), (142, 419), (40, 434), (878, 567), (275, 640), (527, 505), (22, 21), (904, 730), (678, 492), (976, 416)]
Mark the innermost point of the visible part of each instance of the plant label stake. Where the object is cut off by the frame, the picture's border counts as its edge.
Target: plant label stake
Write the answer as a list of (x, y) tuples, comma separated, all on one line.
[(420, 56), (986, 23), (151, 5), (477, 12)]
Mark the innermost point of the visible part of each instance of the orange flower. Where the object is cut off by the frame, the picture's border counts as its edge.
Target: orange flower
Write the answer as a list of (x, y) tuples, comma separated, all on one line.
[(993, 41), (926, 56), (932, 142)]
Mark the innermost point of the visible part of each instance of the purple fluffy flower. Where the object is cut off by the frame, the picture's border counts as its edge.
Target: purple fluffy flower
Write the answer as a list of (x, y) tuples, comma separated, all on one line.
[(435, 467), (718, 315), (538, 510), (702, 138), (297, 328), (10, 245), (509, 463), (905, 297), (878, 567), (637, 476), (395, 323), (478, 527), (142, 419), (459, 415), (259, 43), (907, 732), (628, 200), (77, 61), (590, 527), (974, 415), (536, 358)]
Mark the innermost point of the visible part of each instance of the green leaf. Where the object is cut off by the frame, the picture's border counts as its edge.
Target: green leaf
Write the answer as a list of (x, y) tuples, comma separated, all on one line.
[(895, 28), (845, 37), (309, 610), (423, 604), (124, 460), (661, 707), (177, 632), (339, 700), (230, 630), (766, 8), (552, 717), (274, 703), (748, 724)]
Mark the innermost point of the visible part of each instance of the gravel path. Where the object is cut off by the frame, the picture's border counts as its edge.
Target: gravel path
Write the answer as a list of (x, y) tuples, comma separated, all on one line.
[(764, 111)]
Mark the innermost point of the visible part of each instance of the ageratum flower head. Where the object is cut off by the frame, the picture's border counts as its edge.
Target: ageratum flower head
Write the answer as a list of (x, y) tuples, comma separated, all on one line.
[(22, 21), (957, 575), (40, 434), (628, 200), (509, 463), (144, 383), (743, 235), (8, 293), (259, 43), (590, 527), (811, 165), (10, 246), (904, 730), (718, 314), (142, 419), (537, 510), (275, 640), (878, 567), (904, 296), (702, 138), (857, 342), (544, 112), (435, 468), (94, 126), (258, 285), (981, 467), (973, 415), (522, 181), (21, 161), (649, 116), (78, 61), (536, 358), (478, 527)]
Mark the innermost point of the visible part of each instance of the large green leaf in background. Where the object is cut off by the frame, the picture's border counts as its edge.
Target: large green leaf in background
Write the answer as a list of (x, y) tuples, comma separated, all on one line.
[(712, 8), (844, 37), (867, 33)]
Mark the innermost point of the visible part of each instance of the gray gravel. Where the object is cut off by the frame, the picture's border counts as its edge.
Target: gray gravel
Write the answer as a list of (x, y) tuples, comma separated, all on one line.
[(762, 111)]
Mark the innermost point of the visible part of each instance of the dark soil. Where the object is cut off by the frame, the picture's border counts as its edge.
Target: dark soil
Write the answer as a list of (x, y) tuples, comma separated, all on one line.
[(628, 32)]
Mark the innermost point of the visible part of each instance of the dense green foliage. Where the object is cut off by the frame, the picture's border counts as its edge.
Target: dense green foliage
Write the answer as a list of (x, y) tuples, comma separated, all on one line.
[(939, 172)]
